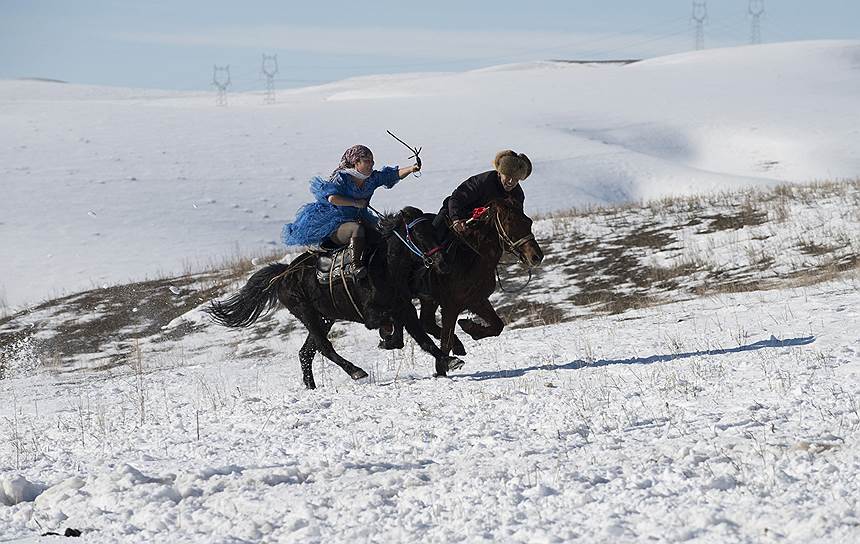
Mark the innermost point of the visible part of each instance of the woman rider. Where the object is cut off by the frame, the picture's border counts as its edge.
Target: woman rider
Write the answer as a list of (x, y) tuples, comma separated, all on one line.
[(340, 211)]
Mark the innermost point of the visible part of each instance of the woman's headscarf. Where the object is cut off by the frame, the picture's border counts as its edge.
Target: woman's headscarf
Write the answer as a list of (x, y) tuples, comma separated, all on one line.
[(352, 156)]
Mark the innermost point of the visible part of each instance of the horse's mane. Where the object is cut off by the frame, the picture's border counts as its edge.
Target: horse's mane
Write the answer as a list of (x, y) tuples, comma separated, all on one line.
[(509, 201), (388, 222)]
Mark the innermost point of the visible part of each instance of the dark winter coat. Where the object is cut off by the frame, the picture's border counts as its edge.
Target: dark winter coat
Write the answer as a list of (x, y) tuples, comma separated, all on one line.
[(479, 190)]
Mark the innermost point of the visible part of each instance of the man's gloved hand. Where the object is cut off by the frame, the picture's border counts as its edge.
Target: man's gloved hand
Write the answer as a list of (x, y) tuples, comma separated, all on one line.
[(459, 225)]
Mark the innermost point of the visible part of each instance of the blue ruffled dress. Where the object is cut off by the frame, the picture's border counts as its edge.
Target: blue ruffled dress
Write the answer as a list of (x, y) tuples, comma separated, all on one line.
[(314, 222)]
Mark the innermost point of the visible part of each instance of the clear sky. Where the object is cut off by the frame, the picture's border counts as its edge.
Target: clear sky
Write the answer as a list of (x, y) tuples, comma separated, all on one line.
[(173, 44)]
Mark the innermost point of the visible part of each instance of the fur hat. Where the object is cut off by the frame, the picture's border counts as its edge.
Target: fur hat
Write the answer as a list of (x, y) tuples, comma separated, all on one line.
[(512, 164)]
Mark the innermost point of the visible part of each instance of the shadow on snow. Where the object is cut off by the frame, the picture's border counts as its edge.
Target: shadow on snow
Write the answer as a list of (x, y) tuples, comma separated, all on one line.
[(773, 342)]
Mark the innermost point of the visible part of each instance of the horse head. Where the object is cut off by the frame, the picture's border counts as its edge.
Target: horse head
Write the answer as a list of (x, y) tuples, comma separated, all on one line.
[(414, 230), (515, 231)]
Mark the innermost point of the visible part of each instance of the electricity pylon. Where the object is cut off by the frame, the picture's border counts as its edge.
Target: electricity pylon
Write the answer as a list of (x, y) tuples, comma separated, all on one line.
[(756, 10), (270, 68), (700, 15), (221, 84)]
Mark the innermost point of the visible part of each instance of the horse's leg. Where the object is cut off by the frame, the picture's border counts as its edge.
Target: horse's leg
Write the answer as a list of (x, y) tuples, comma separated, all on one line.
[(318, 329), (449, 319), (394, 340), (428, 319), (306, 356), (485, 311), (444, 362)]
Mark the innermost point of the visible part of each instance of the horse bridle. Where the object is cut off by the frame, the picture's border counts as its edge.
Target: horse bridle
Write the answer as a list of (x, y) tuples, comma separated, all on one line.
[(412, 246), (513, 247)]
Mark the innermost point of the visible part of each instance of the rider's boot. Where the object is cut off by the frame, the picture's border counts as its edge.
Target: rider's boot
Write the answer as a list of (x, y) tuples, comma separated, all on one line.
[(356, 248)]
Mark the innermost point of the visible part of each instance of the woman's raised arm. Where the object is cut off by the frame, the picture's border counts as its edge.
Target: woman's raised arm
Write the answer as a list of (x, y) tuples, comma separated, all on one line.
[(403, 172)]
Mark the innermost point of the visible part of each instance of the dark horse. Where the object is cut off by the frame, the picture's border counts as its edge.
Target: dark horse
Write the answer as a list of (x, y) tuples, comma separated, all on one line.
[(472, 259), (404, 252)]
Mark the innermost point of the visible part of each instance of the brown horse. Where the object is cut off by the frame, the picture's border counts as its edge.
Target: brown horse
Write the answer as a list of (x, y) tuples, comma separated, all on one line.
[(472, 259)]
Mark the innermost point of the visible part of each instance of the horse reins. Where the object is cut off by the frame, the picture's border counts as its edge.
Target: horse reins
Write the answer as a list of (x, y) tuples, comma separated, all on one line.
[(345, 284), (513, 247), (409, 242), (413, 247)]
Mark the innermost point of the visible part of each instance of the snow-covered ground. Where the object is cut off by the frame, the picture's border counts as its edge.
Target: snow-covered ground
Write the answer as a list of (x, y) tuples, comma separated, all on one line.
[(103, 185), (728, 418), (690, 413)]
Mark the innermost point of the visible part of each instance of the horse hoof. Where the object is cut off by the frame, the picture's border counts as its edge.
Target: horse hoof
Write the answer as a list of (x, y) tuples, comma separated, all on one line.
[(467, 325), (358, 374), (455, 364), (471, 328), (459, 350), (390, 343)]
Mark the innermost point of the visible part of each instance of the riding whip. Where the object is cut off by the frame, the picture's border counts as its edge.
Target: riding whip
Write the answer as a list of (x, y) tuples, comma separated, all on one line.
[(415, 153)]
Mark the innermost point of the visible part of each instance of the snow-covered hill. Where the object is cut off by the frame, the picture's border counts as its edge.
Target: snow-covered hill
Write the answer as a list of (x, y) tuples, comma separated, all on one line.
[(104, 185), (685, 370)]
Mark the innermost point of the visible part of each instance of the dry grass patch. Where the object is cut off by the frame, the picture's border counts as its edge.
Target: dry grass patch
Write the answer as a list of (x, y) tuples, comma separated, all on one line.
[(748, 215), (598, 260), (523, 314)]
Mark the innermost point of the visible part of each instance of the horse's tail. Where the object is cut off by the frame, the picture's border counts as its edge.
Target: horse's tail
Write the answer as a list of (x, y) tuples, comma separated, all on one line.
[(259, 295)]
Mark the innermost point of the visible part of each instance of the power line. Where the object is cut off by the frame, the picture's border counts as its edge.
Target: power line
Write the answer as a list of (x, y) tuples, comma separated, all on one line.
[(508, 56), (640, 42), (595, 51)]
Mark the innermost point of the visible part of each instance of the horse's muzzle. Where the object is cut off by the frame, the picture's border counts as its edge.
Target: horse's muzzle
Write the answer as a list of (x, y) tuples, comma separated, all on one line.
[(532, 254)]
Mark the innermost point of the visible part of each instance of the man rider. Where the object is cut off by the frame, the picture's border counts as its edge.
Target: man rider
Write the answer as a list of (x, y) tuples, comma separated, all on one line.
[(509, 169)]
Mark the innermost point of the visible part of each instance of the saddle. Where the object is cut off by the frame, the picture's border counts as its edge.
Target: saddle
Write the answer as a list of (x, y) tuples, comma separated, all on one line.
[(334, 263), (334, 266)]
